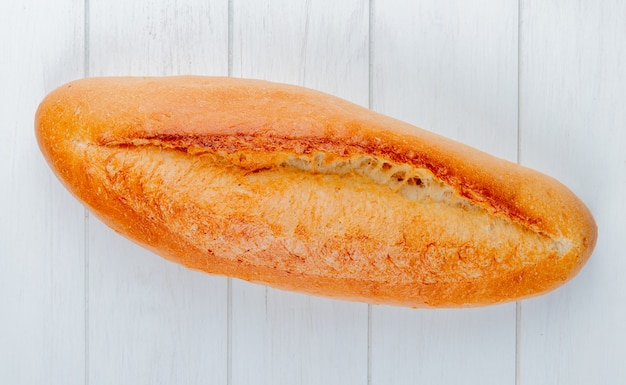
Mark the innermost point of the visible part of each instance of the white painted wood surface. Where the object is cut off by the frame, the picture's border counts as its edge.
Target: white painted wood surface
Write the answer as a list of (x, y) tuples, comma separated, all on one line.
[(452, 69), (42, 272), (573, 126), (542, 82)]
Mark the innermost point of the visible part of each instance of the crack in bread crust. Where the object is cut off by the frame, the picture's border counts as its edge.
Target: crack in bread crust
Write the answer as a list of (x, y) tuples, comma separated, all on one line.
[(256, 223), (399, 173)]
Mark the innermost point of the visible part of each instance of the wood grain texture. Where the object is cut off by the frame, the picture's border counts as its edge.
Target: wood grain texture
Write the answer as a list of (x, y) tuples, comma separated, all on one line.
[(158, 38), (573, 77), (151, 321), (41, 226), (450, 68), (278, 337), (81, 305)]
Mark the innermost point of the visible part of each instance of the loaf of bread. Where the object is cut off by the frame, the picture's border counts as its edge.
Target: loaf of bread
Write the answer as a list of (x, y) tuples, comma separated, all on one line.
[(303, 191)]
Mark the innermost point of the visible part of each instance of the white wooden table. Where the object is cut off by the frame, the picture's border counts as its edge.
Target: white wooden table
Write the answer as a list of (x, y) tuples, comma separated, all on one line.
[(541, 82)]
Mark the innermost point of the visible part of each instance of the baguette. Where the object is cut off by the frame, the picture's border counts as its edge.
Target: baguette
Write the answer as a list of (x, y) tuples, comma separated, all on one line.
[(303, 191)]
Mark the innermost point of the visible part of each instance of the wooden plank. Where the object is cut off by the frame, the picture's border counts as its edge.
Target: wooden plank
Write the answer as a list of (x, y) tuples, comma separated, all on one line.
[(158, 38), (450, 346), (573, 82), (41, 226), (279, 337), (450, 67), (151, 321)]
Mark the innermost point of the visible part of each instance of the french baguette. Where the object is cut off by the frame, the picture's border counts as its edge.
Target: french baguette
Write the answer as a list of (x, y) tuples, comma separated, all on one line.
[(303, 191)]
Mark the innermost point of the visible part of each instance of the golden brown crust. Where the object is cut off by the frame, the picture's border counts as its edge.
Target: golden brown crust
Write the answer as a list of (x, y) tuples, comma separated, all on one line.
[(220, 174)]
